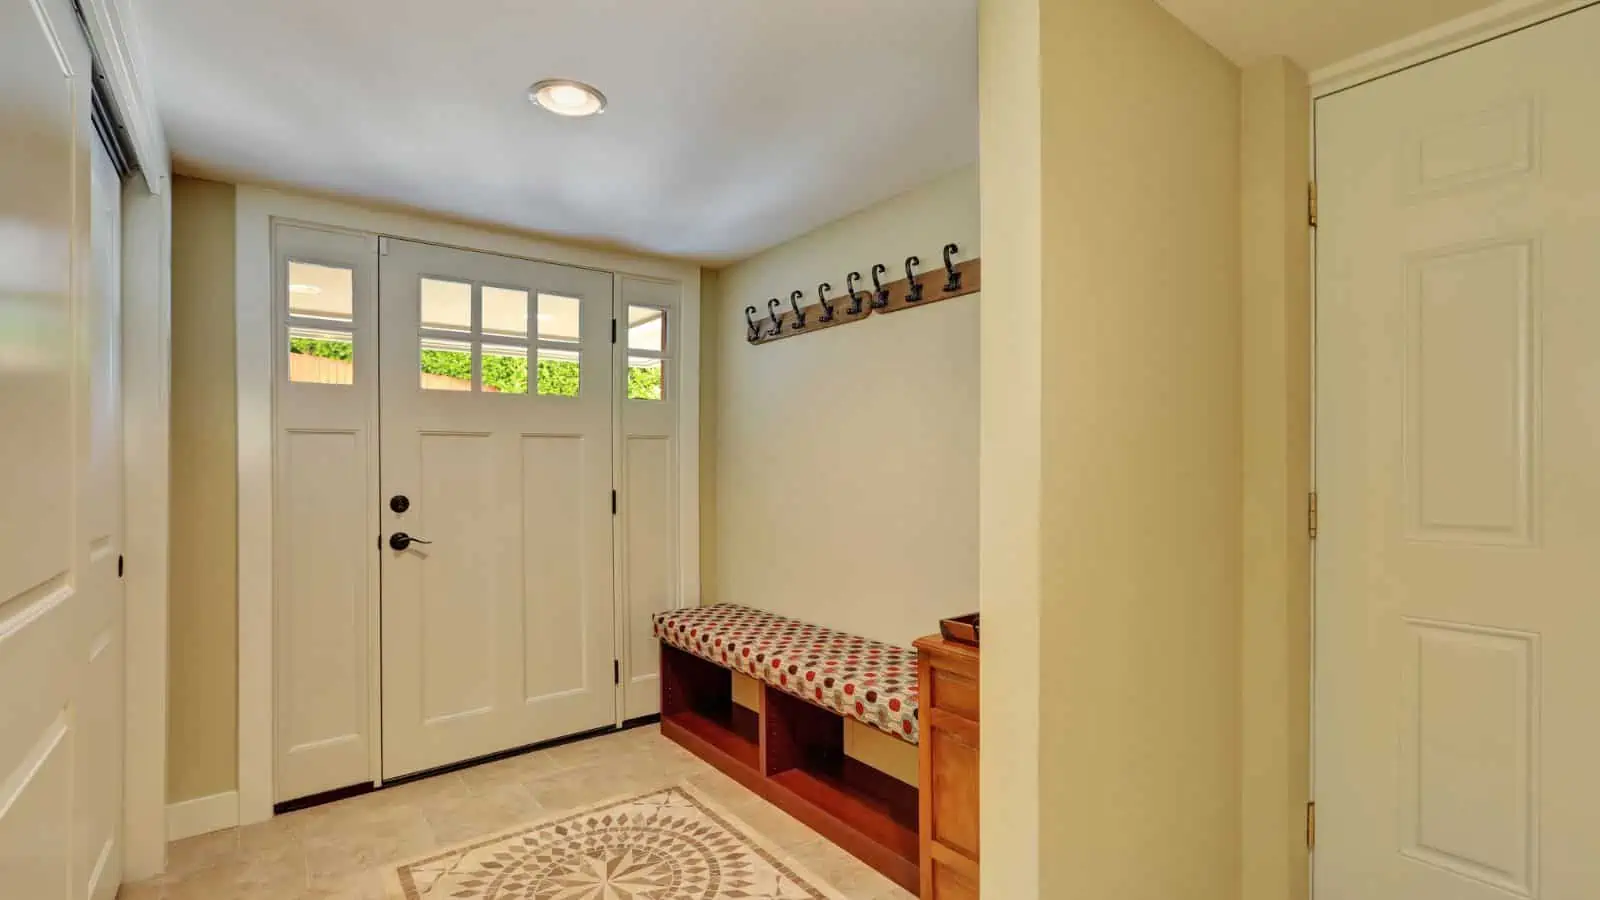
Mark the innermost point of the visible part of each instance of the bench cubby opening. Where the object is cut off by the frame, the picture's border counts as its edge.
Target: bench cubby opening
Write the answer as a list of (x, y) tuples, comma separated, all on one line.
[(792, 753)]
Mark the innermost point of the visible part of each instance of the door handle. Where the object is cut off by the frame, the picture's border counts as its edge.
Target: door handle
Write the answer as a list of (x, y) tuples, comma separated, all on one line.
[(400, 541)]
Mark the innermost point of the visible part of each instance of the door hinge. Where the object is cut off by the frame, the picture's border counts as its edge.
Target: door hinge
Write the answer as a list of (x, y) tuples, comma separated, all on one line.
[(1311, 203), (119, 565), (613, 503), (1311, 825), (616, 672), (613, 331), (383, 246), (1311, 514)]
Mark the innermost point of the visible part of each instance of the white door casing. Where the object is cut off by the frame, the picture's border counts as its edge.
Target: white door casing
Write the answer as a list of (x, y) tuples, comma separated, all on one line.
[(499, 633), (61, 653), (647, 459), (325, 568), (1458, 350)]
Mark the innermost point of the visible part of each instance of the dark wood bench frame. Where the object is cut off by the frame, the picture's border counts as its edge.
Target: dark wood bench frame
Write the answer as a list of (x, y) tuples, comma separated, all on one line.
[(792, 753)]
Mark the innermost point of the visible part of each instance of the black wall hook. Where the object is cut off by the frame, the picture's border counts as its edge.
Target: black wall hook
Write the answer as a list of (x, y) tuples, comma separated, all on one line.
[(953, 279), (880, 296), (750, 320), (855, 298), (799, 314), (822, 298), (772, 312), (914, 289)]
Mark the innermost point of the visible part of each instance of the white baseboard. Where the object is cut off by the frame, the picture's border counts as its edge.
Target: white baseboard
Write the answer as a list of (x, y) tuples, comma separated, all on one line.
[(202, 815)]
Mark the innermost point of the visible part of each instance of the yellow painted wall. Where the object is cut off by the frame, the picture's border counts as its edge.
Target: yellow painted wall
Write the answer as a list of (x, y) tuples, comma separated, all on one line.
[(1133, 273), (846, 462), (202, 723), (1276, 635)]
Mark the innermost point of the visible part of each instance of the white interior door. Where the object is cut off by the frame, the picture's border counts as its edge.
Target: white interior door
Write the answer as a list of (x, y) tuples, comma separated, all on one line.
[(1458, 426), (61, 650), (325, 519), (496, 428)]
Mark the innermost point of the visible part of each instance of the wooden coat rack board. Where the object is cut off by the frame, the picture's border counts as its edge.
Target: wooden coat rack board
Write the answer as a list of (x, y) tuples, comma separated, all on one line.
[(916, 290)]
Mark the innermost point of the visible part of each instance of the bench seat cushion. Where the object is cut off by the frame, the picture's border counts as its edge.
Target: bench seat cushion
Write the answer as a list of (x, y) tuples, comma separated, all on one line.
[(866, 680)]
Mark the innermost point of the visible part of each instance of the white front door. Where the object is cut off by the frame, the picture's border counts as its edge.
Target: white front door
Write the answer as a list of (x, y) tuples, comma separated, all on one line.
[(496, 412), (1458, 472), (61, 652)]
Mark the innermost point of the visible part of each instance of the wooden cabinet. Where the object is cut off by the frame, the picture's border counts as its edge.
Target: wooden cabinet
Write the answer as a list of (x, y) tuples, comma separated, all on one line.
[(948, 686)]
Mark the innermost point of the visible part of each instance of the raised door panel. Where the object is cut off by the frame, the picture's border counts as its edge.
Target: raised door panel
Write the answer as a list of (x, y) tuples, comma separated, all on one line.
[(649, 532), (322, 626), (555, 480)]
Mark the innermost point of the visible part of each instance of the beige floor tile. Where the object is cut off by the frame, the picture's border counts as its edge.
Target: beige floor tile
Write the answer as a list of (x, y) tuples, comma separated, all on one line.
[(344, 850)]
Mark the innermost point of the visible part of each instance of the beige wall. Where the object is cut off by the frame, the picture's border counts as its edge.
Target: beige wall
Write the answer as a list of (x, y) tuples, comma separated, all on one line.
[(1276, 636), (1134, 236), (202, 737), (846, 462)]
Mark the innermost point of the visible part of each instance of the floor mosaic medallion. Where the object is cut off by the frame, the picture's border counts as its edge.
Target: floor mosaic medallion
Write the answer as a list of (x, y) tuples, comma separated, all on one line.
[(671, 844)]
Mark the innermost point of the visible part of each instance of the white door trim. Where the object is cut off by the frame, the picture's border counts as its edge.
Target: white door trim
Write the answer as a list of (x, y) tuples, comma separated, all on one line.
[(147, 413), (1457, 34), (255, 210)]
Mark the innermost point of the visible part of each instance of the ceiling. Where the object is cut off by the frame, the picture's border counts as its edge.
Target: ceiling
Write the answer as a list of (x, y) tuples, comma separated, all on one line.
[(1313, 33), (733, 125)]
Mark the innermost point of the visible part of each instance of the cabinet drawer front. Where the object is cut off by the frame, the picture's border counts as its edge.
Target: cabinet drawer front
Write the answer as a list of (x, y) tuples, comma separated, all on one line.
[(954, 692), (955, 792), (948, 884)]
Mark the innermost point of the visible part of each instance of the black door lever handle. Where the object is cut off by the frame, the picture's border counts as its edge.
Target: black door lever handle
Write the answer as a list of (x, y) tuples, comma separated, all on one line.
[(400, 541)]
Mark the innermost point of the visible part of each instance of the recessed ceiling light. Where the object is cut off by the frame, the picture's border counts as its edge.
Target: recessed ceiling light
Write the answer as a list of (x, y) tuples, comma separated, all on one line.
[(304, 289), (567, 98)]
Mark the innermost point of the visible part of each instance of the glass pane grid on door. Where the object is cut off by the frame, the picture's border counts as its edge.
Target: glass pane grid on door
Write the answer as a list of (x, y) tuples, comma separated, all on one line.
[(647, 352), (319, 313), (476, 337)]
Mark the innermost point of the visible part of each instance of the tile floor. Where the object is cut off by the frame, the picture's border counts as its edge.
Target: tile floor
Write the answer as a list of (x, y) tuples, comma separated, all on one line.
[(342, 850)]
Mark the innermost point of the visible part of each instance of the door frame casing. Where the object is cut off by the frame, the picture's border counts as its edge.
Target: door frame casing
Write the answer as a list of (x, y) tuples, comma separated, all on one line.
[(256, 210)]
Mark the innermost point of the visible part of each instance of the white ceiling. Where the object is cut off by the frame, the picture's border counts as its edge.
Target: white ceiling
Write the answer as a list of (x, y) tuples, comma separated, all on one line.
[(733, 124), (1313, 33)]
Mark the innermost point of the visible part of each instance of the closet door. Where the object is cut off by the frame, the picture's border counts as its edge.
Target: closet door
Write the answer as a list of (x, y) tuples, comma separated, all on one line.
[(496, 504), (61, 652)]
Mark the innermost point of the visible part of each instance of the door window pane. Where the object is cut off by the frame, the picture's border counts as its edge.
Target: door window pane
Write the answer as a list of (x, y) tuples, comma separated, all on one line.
[(646, 376), (321, 292), (446, 365), (505, 369), (446, 305), (559, 372), (317, 356), (505, 312), (646, 328), (559, 318)]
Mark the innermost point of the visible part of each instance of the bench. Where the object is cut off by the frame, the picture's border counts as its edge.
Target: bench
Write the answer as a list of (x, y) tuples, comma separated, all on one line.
[(787, 743)]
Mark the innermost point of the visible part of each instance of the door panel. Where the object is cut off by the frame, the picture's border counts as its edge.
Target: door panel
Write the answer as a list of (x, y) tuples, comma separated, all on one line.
[(1458, 412), (647, 480), (496, 413), (325, 569)]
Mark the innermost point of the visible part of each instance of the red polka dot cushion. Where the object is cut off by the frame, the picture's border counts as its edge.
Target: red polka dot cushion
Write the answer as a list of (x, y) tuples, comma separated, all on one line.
[(868, 681)]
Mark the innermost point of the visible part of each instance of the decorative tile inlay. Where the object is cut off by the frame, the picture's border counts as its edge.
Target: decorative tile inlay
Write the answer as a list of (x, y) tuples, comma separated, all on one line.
[(670, 844)]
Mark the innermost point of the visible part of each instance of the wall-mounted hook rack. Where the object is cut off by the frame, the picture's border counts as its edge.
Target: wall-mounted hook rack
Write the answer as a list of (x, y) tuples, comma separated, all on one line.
[(918, 289)]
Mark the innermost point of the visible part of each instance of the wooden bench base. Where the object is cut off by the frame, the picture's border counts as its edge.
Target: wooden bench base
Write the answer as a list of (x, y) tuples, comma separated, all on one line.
[(792, 754)]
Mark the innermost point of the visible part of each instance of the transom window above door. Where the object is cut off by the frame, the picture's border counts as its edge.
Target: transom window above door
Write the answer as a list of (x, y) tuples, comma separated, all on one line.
[(476, 337)]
